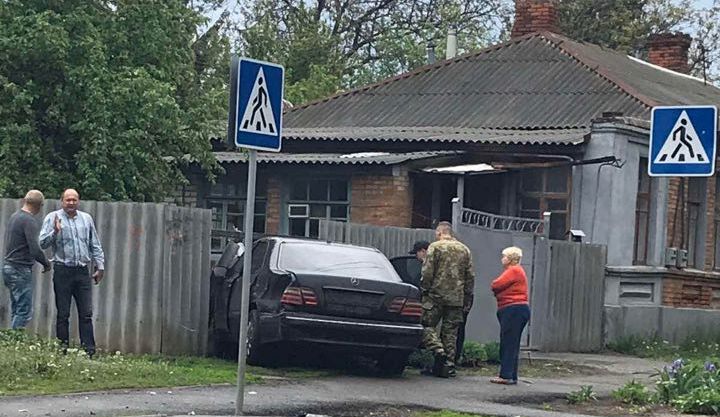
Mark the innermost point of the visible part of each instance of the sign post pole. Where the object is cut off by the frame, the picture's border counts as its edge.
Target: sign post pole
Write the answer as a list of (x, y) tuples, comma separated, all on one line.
[(255, 123), (245, 292)]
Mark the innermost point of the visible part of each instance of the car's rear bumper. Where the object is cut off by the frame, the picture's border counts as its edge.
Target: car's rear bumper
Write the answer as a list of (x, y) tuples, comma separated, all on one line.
[(339, 331)]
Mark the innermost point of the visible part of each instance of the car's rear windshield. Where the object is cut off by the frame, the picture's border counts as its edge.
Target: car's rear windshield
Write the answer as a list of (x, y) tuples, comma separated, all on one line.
[(346, 261)]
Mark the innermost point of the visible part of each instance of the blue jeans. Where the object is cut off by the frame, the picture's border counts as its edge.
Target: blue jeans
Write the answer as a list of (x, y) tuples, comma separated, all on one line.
[(512, 320), (18, 279)]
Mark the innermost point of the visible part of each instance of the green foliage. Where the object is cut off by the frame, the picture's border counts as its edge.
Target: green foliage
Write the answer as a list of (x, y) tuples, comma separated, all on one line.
[(633, 393), (33, 365), (329, 46), (691, 386), (492, 350), (583, 395), (421, 359), (473, 355), (698, 347), (622, 24), (108, 101)]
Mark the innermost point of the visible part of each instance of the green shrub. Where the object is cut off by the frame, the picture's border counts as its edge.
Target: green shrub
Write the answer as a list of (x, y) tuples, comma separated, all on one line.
[(633, 393), (492, 351), (584, 394), (691, 386), (473, 354), (421, 359)]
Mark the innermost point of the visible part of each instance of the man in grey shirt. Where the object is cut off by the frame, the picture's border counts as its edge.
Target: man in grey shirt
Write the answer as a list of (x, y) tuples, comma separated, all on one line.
[(22, 251)]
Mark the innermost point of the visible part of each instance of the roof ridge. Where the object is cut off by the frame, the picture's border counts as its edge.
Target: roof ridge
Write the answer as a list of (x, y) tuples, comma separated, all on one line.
[(561, 42), (421, 70)]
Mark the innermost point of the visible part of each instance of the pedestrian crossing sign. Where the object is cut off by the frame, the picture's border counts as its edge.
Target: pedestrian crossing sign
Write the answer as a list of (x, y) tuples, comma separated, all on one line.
[(683, 141), (258, 116)]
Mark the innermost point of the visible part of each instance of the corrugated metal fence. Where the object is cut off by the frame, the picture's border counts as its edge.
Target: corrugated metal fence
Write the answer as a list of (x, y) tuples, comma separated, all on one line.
[(155, 295), (392, 241)]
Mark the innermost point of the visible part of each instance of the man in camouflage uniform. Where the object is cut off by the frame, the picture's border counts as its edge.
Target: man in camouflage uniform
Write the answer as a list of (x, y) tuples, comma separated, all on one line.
[(447, 291)]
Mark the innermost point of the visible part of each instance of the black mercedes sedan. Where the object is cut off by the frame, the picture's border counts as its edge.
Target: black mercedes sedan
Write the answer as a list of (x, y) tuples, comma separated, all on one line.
[(315, 293)]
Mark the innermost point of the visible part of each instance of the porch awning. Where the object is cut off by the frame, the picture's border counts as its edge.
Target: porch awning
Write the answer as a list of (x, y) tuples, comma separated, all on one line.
[(463, 169)]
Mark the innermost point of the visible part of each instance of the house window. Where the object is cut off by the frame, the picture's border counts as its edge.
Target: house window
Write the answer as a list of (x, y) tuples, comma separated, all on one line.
[(313, 200), (693, 232), (642, 214), (227, 202), (547, 190)]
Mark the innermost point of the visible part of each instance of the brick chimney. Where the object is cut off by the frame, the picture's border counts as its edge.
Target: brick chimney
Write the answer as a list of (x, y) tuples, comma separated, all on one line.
[(670, 50), (534, 16)]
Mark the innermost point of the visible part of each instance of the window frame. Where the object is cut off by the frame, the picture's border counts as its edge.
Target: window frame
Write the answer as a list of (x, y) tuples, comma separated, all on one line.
[(328, 204), (642, 196), (544, 196)]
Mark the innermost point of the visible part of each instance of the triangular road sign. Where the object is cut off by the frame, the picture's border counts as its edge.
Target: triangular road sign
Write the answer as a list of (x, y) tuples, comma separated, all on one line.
[(258, 116), (682, 145)]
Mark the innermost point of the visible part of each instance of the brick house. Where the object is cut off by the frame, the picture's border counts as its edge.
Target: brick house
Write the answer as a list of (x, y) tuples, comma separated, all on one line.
[(538, 123)]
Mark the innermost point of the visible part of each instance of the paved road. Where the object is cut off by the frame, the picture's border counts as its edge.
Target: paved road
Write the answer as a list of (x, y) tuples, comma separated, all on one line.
[(465, 393)]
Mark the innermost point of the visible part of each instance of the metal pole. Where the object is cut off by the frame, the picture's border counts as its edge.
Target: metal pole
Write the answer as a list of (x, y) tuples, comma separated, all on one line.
[(245, 294)]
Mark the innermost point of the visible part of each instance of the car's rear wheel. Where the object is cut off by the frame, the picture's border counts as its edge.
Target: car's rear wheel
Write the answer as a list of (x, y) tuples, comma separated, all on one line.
[(392, 363)]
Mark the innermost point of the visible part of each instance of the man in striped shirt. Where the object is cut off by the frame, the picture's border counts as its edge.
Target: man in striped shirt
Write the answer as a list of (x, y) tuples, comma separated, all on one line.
[(75, 244)]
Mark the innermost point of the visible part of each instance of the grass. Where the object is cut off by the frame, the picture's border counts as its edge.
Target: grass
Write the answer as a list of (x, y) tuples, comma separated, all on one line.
[(32, 365), (700, 347)]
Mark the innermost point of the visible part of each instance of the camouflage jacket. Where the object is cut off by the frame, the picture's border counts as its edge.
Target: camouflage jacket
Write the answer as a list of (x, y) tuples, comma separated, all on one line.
[(447, 274)]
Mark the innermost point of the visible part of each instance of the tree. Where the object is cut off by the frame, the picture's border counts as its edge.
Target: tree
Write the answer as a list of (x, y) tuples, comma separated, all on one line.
[(107, 97), (621, 24), (329, 45), (705, 52)]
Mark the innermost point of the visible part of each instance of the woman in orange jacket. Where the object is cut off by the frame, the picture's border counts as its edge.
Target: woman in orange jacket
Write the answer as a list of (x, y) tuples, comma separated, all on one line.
[(511, 292)]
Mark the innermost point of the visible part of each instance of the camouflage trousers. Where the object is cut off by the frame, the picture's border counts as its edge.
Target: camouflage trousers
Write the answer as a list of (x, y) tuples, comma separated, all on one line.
[(450, 319)]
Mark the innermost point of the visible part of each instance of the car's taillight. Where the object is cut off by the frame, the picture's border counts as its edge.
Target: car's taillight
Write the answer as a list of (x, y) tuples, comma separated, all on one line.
[(297, 296), (396, 304), (412, 308), (309, 297)]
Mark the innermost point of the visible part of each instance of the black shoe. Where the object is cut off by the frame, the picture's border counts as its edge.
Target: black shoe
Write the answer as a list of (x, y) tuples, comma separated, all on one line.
[(438, 364), (90, 353)]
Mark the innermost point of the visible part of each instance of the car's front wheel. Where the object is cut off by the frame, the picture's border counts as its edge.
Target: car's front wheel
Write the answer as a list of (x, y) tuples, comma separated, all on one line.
[(392, 363)]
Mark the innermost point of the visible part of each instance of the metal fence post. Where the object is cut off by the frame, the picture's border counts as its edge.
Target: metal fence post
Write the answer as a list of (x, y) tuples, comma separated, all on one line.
[(546, 224)]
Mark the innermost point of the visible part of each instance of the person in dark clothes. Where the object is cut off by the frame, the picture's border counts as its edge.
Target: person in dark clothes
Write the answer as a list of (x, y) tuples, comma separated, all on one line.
[(21, 252), (511, 292), (75, 245)]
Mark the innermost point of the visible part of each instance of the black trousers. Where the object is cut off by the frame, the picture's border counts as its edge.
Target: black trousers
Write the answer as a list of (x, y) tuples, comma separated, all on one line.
[(74, 283), (512, 320), (460, 339)]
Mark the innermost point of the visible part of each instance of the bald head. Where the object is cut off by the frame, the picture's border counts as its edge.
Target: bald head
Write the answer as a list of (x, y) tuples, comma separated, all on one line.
[(69, 201), (33, 201)]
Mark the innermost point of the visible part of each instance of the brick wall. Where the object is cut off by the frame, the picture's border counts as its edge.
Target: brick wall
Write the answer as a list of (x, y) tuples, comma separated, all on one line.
[(272, 210), (691, 292), (710, 231), (534, 16), (381, 200), (184, 196), (670, 50)]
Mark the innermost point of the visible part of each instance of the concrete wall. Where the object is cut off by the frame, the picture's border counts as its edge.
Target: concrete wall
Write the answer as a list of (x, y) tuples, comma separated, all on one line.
[(606, 195), (674, 325)]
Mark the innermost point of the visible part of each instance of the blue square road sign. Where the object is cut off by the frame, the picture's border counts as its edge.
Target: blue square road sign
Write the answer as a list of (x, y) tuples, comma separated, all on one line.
[(683, 141), (258, 112)]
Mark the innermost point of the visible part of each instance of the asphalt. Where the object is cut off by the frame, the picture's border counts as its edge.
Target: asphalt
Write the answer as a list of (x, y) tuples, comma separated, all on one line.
[(465, 393)]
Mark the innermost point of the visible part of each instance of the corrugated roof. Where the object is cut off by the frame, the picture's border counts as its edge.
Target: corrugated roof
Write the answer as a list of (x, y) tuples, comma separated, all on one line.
[(366, 158), (509, 93), (442, 134)]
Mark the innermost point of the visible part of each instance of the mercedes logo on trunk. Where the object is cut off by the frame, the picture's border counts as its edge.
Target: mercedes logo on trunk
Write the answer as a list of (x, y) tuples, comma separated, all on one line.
[(355, 282)]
